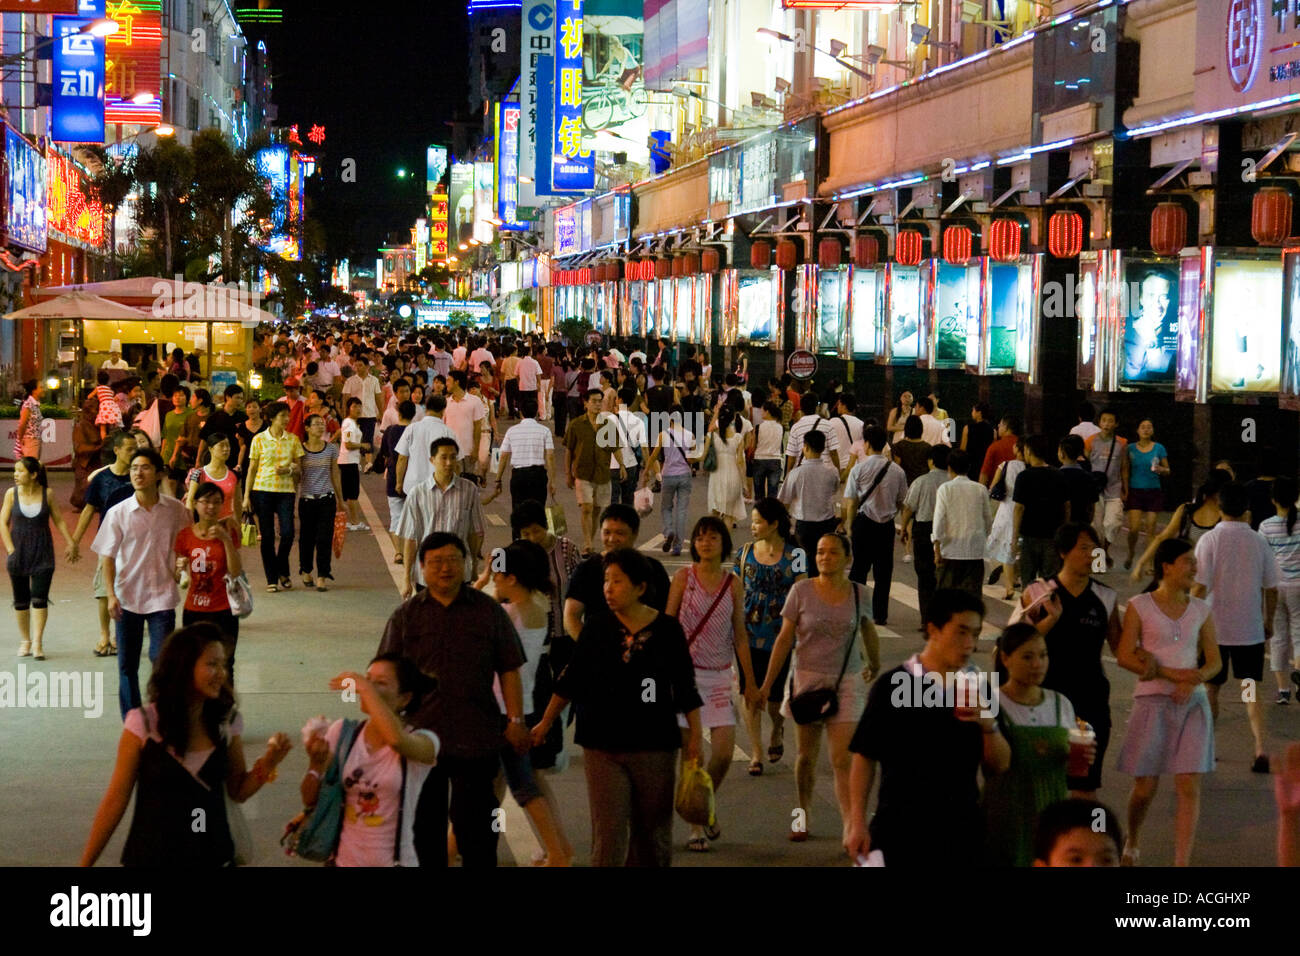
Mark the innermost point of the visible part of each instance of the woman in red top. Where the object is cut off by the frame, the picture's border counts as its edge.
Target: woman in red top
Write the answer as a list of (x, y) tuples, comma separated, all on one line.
[(209, 552)]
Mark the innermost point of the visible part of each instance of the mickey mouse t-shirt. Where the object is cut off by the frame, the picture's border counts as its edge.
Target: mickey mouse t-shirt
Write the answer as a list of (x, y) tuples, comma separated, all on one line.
[(372, 782)]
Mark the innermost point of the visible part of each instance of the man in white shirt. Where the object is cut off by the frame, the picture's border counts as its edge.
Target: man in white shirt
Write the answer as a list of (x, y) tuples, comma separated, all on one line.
[(327, 370), (413, 447), (528, 456), (136, 540), (811, 420), (458, 355), (635, 440), (1086, 427), (933, 431), (962, 521), (918, 521), (1237, 575), (809, 492), (365, 387), (465, 417), (529, 372), (848, 427), (881, 488), (401, 393), (115, 362)]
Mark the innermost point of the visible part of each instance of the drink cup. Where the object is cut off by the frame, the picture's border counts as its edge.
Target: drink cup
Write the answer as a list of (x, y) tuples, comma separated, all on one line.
[(1080, 741)]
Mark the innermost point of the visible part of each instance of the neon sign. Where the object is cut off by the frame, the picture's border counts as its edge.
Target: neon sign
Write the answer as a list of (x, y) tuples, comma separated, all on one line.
[(71, 212), (133, 62)]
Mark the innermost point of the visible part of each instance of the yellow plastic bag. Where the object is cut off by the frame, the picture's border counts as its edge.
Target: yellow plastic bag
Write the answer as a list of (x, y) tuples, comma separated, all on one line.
[(555, 521), (248, 532), (694, 801)]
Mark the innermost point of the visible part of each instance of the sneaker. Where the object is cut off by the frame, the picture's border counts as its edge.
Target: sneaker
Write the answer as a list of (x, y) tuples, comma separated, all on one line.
[(1283, 697), (667, 544), (362, 526)]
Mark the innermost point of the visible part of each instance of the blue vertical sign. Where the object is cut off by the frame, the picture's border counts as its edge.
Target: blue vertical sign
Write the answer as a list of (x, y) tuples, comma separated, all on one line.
[(508, 168), (77, 77), (572, 163)]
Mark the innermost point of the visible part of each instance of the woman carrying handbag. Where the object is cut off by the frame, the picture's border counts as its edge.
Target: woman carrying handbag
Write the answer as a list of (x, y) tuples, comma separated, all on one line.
[(822, 620)]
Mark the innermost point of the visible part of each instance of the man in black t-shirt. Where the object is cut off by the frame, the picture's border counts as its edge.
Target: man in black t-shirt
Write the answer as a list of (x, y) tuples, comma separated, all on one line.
[(106, 488), (1040, 498), (926, 751), (1080, 489), (619, 525)]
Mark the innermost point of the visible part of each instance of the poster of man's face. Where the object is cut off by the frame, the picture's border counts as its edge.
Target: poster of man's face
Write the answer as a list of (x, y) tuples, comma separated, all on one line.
[(1151, 328)]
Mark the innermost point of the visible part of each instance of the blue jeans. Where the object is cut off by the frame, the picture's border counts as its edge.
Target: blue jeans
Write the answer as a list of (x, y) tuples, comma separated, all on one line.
[(767, 477), (676, 503), (130, 640)]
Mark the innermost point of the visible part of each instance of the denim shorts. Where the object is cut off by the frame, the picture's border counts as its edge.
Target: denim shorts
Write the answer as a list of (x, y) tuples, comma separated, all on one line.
[(519, 771)]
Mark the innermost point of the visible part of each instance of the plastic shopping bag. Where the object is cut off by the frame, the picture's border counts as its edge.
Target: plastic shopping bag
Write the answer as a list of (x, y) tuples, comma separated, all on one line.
[(340, 531), (694, 800), (555, 521), (644, 501)]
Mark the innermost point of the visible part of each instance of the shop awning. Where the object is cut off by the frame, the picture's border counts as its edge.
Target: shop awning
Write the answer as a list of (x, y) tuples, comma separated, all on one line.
[(170, 300)]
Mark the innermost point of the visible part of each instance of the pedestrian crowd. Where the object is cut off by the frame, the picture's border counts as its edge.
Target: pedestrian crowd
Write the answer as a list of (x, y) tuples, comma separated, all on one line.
[(489, 657)]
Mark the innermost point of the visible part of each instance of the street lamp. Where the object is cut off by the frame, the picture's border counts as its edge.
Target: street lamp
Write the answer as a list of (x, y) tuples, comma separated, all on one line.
[(786, 38)]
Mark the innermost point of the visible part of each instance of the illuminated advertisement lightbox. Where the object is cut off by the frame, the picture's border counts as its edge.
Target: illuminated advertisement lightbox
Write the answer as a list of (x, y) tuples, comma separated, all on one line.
[(832, 309), (867, 289), (956, 305), (1246, 347), (903, 334), (1150, 347), (755, 306)]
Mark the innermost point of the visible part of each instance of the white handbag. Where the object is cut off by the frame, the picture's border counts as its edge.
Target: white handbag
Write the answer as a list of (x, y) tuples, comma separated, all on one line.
[(644, 501), (239, 594)]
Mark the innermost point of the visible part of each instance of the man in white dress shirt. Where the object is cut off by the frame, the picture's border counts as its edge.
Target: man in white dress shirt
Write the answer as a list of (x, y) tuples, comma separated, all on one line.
[(933, 431), (962, 521)]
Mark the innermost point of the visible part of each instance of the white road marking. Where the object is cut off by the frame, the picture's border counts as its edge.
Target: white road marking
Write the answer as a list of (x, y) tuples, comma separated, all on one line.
[(496, 519), (653, 544), (519, 835)]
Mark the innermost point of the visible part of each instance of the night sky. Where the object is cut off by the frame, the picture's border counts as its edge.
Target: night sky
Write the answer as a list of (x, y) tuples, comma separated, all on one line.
[(383, 79)]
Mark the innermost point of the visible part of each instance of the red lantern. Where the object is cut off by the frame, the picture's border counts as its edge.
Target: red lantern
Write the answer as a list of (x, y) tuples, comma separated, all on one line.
[(691, 264), (1270, 216), (866, 251), (1065, 234), (760, 255), (828, 253), (907, 247), (710, 261), (663, 267), (787, 254), (1004, 240), (614, 270), (956, 245), (679, 266), (1168, 228)]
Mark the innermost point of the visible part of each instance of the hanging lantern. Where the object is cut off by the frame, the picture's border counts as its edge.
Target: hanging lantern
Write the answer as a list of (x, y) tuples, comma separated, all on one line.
[(907, 247), (710, 261), (956, 245), (866, 251), (1270, 216), (828, 253), (663, 267), (679, 266), (1065, 234), (691, 264), (787, 254), (1004, 240), (614, 270), (760, 255), (1168, 228)]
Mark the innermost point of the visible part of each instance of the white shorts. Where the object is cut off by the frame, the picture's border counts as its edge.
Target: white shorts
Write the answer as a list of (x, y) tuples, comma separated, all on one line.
[(714, 688), (590, 493), (852, 694), (395, 506)]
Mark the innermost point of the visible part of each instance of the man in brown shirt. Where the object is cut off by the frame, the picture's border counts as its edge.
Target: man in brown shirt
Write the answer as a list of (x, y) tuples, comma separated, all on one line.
[(589, 445)]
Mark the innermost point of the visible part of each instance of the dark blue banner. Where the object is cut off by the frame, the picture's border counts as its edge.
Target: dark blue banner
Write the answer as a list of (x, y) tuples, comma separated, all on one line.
[(77, 77), (572, 163)]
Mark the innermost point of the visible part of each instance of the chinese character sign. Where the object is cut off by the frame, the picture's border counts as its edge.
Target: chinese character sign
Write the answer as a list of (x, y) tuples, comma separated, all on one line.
[(438, 213), (573, 167), (508, 167), (77, 105), (24, 193), (71, 212), (133, 62), (535, 59)]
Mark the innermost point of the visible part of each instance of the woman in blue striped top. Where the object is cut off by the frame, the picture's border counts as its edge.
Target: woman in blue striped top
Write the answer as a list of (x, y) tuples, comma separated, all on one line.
[(319, 493)]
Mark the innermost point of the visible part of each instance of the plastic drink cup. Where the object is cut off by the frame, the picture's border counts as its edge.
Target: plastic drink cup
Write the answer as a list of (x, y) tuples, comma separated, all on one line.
[(1080, 740)]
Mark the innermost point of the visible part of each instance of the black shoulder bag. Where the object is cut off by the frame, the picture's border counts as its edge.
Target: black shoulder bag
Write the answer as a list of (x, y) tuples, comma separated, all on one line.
[(821, 703), (1101, 479)]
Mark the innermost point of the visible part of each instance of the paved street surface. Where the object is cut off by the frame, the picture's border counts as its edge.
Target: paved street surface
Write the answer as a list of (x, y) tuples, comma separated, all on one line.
[(56, 763)]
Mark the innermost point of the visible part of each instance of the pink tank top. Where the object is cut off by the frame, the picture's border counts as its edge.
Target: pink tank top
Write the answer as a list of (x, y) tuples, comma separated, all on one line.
[(714, 645)]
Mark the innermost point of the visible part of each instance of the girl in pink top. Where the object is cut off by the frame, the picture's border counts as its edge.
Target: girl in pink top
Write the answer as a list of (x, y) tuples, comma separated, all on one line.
[(710, 605)]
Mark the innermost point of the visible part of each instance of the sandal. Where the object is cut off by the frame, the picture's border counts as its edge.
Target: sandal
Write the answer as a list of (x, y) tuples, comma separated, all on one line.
[(397, 559), (775, 753), (39, 654), (713, 831), (103, 650), (272, 588), (698, 845), (112, 649), (307, 581), (756, 768)]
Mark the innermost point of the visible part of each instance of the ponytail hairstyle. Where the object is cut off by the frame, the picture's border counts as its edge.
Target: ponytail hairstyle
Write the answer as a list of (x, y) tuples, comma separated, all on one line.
[(1285, 493), (1009, 641)]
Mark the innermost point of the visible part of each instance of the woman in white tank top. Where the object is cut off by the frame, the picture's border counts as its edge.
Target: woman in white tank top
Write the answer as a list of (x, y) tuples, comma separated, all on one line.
[(710, 605)]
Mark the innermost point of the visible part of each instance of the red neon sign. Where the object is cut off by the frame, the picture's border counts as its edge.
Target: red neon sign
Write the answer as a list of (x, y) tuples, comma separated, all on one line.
[(132, 62), (71, 211)]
